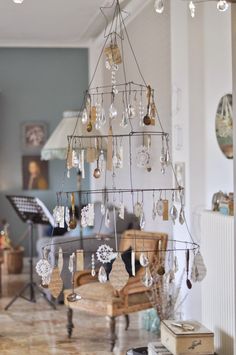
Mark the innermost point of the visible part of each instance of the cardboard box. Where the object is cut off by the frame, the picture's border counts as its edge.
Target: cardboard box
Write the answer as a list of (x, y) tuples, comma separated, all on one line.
[(180, 341)]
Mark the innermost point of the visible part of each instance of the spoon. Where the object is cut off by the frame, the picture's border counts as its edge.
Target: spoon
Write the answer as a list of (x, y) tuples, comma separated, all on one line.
[(89, 126), (97, 171), (188, 282), (73, 222), (147, 119), (161, 270)]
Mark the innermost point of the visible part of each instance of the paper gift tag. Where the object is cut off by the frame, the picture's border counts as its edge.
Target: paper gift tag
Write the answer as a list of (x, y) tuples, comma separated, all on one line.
[(118, 276), (79, 260), (165, 214), (109, 150), (56, 283)]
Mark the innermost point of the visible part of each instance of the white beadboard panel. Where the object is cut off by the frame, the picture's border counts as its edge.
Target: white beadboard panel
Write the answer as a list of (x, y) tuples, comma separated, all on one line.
[(218, 306)]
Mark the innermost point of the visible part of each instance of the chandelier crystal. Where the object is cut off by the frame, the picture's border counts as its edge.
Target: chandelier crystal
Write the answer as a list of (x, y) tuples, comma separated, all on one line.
[(222, 5), (159, 6)]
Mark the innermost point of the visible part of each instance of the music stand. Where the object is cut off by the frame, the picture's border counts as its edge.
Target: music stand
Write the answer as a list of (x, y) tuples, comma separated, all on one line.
[(31, 211)]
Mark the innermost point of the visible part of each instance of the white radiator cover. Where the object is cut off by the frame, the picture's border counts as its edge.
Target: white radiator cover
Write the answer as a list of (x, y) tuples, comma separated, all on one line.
[(218, 298)]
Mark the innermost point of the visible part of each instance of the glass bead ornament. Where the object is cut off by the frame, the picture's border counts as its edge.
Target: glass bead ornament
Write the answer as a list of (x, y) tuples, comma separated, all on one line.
[(104, 253), (124, 121), (84, 116), (113, 112), (102, 275), (159, 6), (147, 279), (143, 259), (107, 218), (93, 271), (222, 5)]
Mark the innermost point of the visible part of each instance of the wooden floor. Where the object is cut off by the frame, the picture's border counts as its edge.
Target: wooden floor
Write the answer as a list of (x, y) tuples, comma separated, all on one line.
[(36, 329)]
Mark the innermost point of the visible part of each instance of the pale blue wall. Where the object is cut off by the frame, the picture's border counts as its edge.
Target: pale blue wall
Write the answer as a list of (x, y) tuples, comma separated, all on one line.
[(35, 84)]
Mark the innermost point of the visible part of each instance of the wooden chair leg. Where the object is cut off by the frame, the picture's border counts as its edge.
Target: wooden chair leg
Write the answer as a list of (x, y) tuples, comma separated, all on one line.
[(126, 322), (112, 324), (70, 324)]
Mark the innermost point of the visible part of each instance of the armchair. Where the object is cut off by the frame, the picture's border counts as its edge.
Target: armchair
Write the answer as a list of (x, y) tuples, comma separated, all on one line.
[(102, 299)]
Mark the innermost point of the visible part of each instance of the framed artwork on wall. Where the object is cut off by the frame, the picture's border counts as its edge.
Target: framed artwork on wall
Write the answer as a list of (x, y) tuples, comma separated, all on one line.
[(34, 173), (33, 136)]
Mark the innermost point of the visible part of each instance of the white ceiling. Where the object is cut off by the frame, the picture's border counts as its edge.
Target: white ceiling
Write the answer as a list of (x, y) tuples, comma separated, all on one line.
[(63, 23)]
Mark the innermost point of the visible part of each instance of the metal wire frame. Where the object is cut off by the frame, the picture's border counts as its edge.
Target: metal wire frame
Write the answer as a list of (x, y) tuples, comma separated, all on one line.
[(191, 246)]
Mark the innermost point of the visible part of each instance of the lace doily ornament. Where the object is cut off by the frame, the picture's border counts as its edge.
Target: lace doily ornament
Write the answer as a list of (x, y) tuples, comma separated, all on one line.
[(43, 268), (104, 253), (87, 215)]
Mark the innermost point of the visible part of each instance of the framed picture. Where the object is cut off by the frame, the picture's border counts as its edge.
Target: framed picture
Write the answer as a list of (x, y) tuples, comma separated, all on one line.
[(179, 168), (34, 136), (34, 173)]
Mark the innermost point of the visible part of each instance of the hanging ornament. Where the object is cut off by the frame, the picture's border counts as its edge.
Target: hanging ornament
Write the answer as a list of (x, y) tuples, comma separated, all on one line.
[(112, 111), (85, 116), (67, 217), (142, 157), (73, 221), (143, 259), (103, 209), (199, 269), (188, 282), (121, 213), (107, 219), (105, 253), (181, 216), (124, 121), (173, 210), (118, 276), (93, 271), (60, 260), (102, 275), (138, 209), (43, 268), (147, 279), (79, 260), (56, 284)]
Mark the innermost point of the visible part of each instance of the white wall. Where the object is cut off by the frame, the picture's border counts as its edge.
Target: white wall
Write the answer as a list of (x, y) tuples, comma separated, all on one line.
[(234, 113), (201, 69)]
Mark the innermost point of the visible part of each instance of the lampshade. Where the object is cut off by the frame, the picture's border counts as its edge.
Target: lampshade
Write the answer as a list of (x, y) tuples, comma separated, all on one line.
[(57, 144)]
